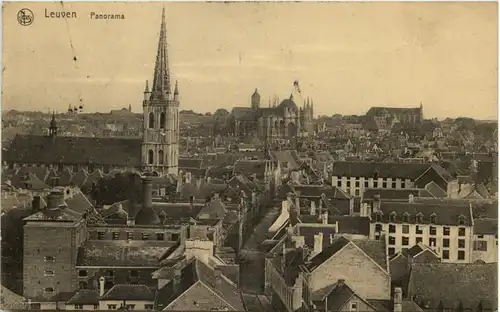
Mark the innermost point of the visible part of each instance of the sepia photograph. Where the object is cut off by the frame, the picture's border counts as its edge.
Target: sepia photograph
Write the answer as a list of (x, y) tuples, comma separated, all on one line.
[(249, 156)]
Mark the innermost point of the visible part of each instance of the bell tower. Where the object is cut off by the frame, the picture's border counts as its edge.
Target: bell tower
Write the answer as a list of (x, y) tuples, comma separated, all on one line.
[(160, 141)]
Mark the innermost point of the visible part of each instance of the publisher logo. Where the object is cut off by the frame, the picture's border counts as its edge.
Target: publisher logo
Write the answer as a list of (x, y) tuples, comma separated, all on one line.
[(25, 17)]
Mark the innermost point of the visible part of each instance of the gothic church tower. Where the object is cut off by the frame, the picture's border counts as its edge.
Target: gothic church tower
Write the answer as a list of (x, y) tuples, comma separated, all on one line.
[(160, 141)]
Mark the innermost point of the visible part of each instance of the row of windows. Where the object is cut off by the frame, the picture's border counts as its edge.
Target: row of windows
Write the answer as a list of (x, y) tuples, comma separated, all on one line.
[(405, 229), (109, 273), (151, 156), (80, 307), (419, 218), (375, 184), (130, 236), (163, 121), (130, 306), (405, 241)]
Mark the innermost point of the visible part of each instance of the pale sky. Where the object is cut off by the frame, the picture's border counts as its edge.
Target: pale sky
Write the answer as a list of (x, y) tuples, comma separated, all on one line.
[(346, 56)]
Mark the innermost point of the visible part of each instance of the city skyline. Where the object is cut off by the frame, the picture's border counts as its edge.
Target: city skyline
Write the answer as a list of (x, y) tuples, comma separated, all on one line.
[(349, 57)]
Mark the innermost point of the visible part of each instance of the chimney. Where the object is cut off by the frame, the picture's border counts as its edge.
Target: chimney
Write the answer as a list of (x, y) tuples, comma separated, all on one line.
[(101, 286), (398, 300), (324, 217), (410, 198), (376, 203), (318, 243), (36, 203), (147, 192), (55, 199), (177, 281), (341, 282), (254, 198), (209, 179), (284, 207), (321, 204), (191, 202), (297, 203), (313, 208), (198, 183), (188, 177)]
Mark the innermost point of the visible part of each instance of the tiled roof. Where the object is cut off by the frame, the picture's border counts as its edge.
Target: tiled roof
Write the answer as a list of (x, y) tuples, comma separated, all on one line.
[(122, 253), (486, 226), (332, 192), (213, 210), (55, 215), (85, 296), (351, 224), (309, 231), (74, 150), (129, 292), (287, 156), (190, 163), (375, 249), (445, 214), (383, 170), (249, 167), (470, 284), (401, 194), (327, 252)]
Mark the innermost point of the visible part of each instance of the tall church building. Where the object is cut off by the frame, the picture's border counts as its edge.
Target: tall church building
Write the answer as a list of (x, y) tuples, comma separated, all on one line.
[(156, 152), (160, 141)]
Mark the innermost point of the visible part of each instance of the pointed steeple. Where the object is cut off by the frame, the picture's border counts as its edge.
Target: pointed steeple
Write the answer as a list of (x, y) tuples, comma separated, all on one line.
[(161, 80), (176, 91), (146, 89)]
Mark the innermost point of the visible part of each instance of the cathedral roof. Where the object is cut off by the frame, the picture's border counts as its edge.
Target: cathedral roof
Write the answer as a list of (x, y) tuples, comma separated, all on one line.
[(288, 104)]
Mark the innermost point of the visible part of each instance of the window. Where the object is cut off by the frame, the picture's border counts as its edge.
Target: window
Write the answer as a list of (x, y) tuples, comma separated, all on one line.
[(151, 120), (461, 231), (378, 217), (446, 242), (418, 230), (366, 183), (160, 236), (432, 241), (160, 157), (446, 231), (433, 218), (130, 306), (339, 183), (150, 157), (406, 229), (418, 240), (348, 183), (100, 235), (461, 255), (356, 183), (148, 306), (392, 217), (130, 235), (392, 251), (134, 273), (356, 192), (145, 236), (432, 230), (403, 185), (175, 237), (78, 306), (111, 306), (406, 241), (163, 120), (49, 259), (480, 246), (406, 218), (393, 184), (446, 254), (461, 220), (384, 184), (48, 273), (378, 228), (49, 290), (420, 218), (82, 273), (461, 243), (375, 184), (354, 306), (392, 228), (392, 240), (116, 235), (82, 285), (480, 236)]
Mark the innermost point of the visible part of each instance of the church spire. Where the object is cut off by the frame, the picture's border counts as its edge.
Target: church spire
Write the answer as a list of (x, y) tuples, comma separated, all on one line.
[(161, 80)]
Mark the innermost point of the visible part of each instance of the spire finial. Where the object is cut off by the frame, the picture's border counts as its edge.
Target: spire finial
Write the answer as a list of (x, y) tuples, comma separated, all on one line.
[(146, 89), (176, 91)]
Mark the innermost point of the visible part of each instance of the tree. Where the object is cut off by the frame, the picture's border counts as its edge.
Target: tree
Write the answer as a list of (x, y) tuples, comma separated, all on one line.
[(117, 187)]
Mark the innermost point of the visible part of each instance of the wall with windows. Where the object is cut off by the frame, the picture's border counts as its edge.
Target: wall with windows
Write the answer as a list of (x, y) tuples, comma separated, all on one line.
[(130, 304), (485, 248), (82, 307), (110, 232), (356, 185), (88, 278), (451, 242)]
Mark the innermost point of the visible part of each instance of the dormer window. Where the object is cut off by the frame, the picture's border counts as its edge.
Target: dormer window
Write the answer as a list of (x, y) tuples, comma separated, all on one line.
[(433, 218), (420, 217), (461, 220), (378, 217), (406, 217), (392, 217)]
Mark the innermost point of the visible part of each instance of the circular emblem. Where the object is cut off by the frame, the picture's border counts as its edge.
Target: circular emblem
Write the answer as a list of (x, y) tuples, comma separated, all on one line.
[(25, 17)]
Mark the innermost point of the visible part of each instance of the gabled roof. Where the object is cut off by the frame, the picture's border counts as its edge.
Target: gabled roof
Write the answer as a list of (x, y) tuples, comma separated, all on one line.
[(85, 296), (129, 292), (486, 226), (383, 170), (472, 284)]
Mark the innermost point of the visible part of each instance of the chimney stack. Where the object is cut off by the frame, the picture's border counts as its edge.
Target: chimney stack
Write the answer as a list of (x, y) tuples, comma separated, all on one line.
[(313, 208), (147, 192), (324, 217), (398, 300), (101, 286), (410, 198), (318, 243), (297, 203), (191, 202), (36, 203), (55, 199), (376, 203)]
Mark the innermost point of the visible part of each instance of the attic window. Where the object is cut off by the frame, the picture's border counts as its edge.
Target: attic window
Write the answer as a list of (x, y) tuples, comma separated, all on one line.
[(420, 217), (461, 220), (392, 217), (406, 217), (378, 217), (49, 290), (433, 218)]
